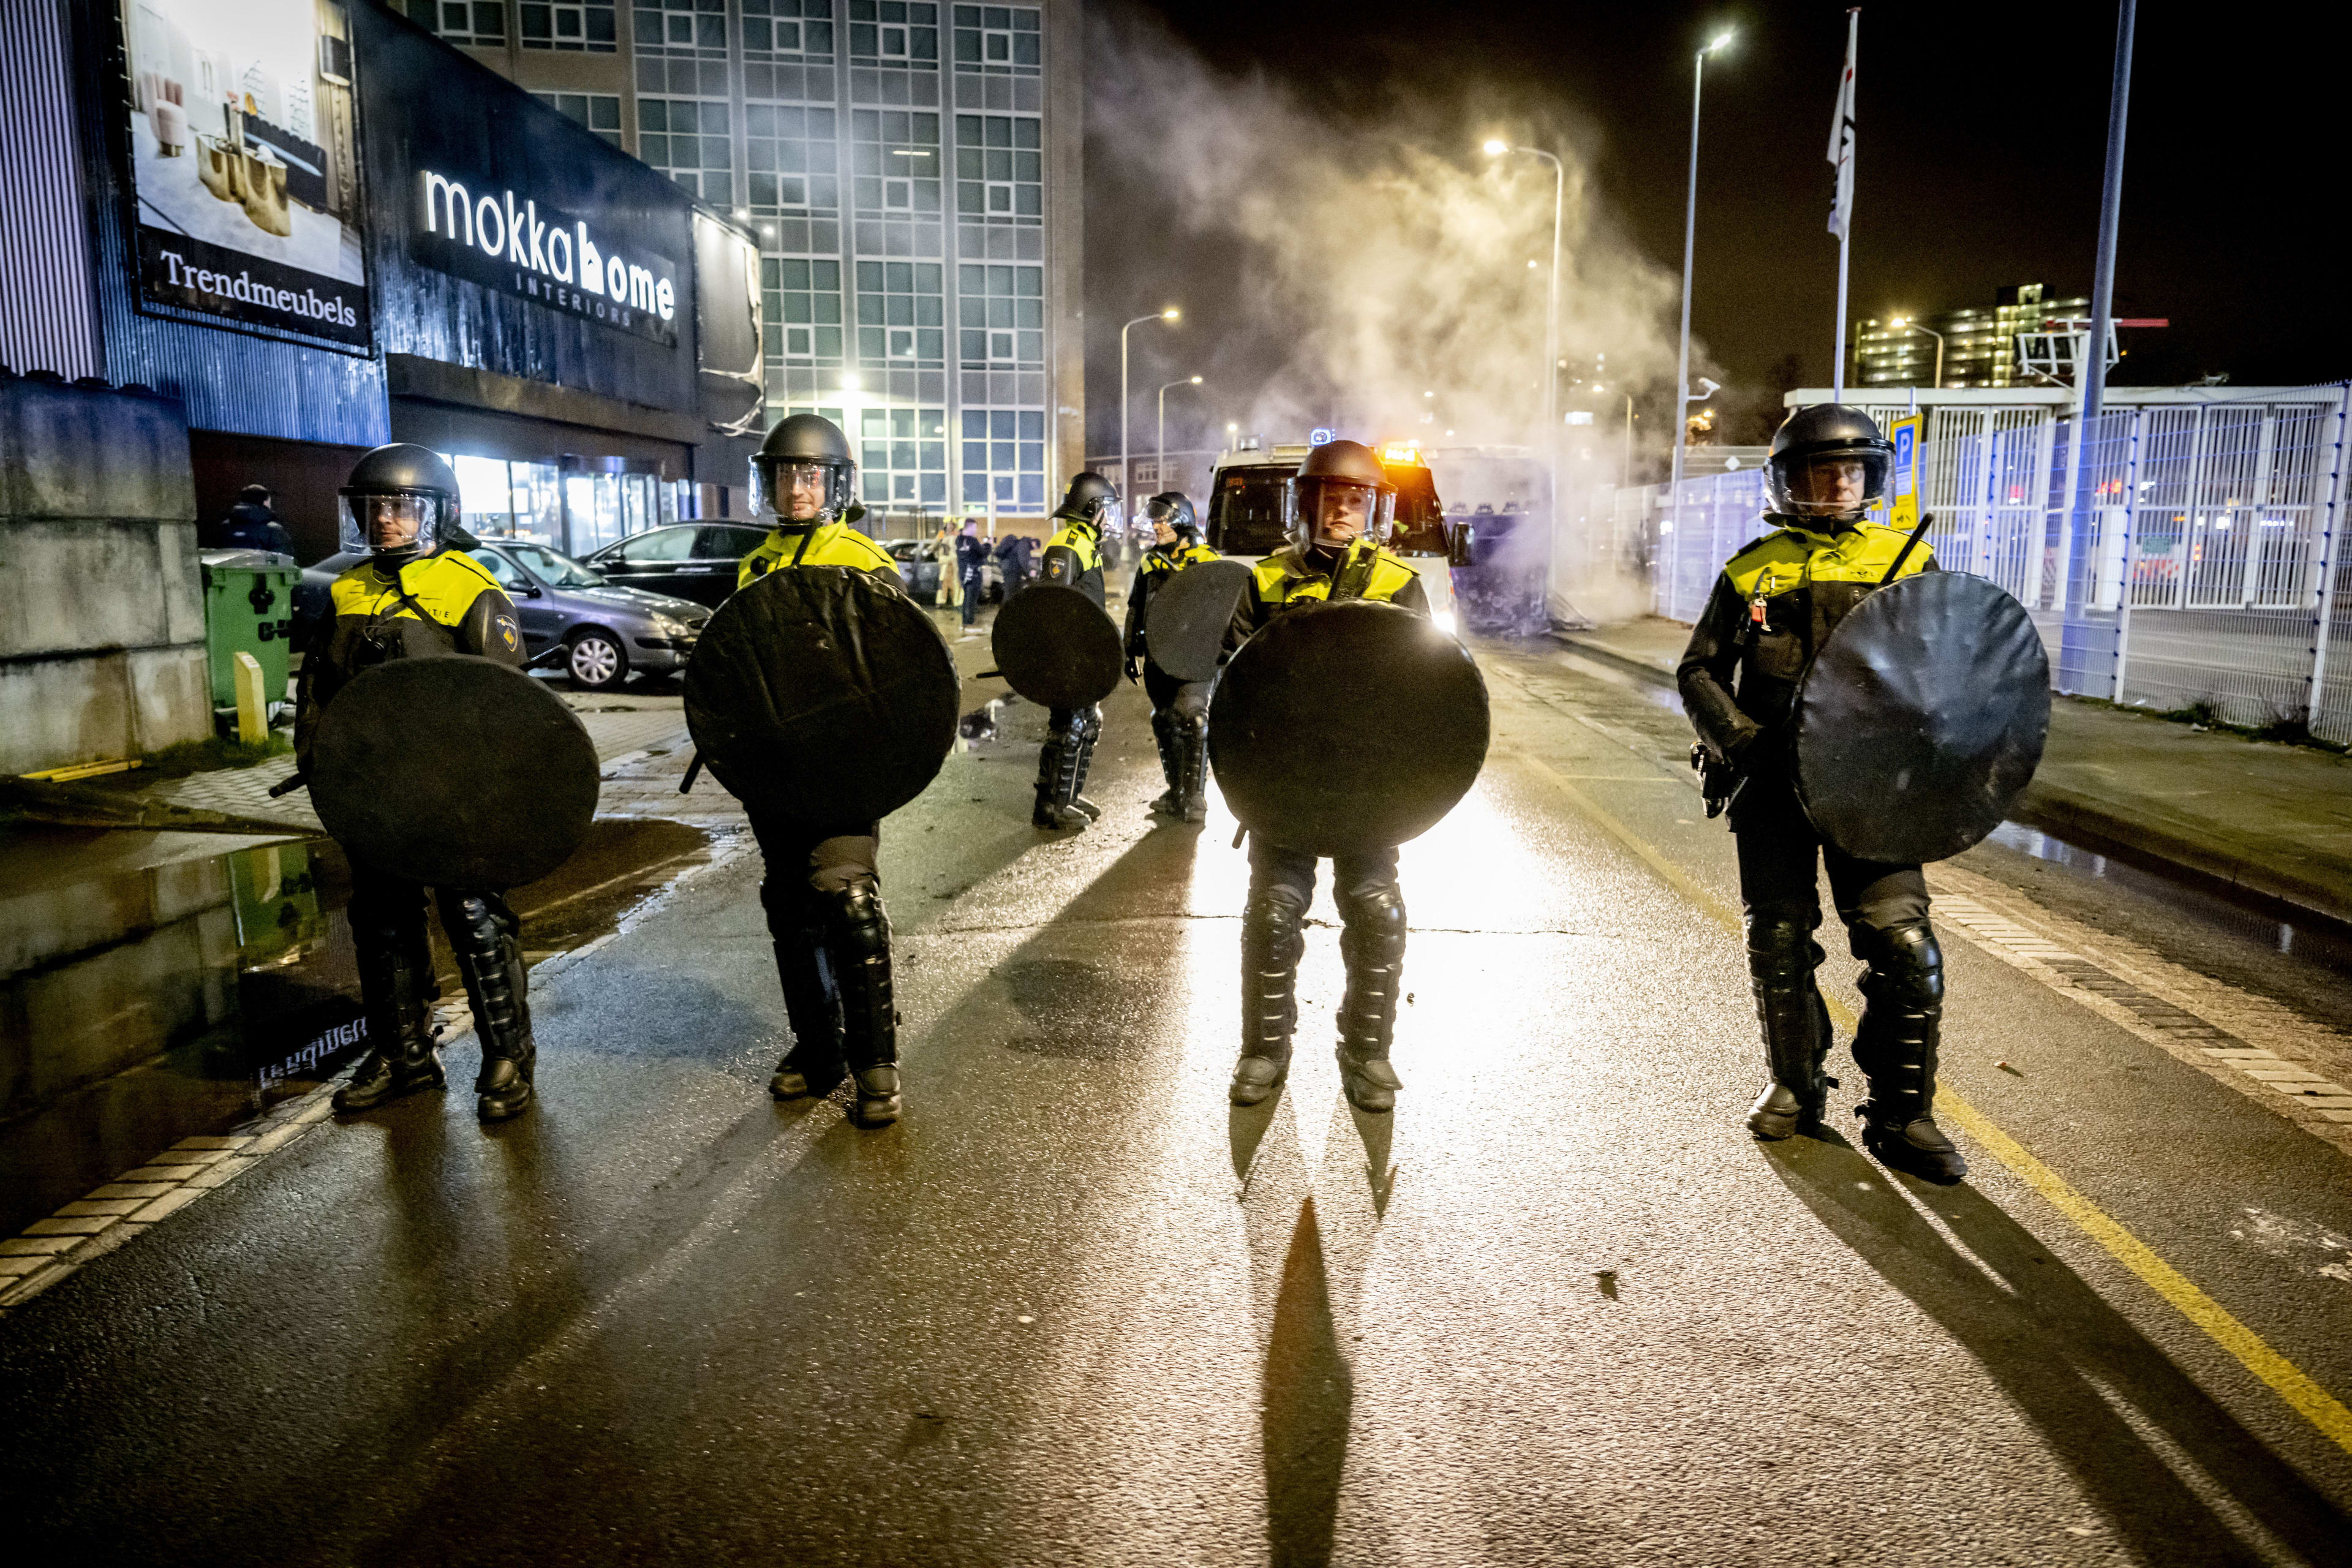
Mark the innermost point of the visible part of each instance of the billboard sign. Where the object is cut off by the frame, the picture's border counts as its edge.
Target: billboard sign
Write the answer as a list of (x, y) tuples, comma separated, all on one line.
[(244, 168), (493, 235)]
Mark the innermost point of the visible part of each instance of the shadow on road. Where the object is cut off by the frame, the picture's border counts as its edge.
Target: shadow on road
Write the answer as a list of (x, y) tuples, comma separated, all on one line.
[(2067, 1361), (1310, 1397)]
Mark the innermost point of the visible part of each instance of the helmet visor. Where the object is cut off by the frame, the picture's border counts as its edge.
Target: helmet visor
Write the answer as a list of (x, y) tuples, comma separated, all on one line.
[(390, 523), (1332, 514), (799, 489), (1835, 484)]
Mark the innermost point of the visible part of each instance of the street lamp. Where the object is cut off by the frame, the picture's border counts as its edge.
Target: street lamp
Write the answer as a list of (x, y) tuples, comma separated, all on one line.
[(1908, 324), (1159, 448), (1125, 474), (1495, 148), (1690, 234)]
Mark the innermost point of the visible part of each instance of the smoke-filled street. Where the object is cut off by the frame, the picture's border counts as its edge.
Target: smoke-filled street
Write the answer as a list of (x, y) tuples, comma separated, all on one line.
[(1559, 1307)]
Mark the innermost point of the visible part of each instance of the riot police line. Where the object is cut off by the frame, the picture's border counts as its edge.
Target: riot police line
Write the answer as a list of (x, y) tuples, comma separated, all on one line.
[(1856, 709)]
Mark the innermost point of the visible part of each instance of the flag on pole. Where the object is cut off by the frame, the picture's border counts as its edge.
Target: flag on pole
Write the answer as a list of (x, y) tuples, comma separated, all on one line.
[(1841, 137)]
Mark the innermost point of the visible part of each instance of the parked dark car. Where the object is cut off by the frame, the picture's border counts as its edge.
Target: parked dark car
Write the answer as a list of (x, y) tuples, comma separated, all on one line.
[(694, 561), (572, 618)]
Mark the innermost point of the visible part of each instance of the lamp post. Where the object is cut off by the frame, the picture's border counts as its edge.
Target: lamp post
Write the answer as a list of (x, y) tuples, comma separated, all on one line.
[(1690, 234), (1127, 475), (1160, 447), (1907, 324)]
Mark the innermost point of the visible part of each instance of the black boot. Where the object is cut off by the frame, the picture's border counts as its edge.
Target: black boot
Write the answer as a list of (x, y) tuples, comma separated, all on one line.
[(395, 997), (1781, 957), (1164, 723), (1058, 772), (484, 931), (1371, 945), (1895, 1047), (858, 947), (1192, 766), (796, 926), (1272, 938), (1090, 729)]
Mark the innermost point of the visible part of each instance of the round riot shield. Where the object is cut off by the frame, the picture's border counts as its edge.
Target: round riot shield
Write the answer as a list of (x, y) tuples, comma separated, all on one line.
[(822, 696), (1185, 628), (1056, 647), (1339, 728), (455, 772), (1922, 719)]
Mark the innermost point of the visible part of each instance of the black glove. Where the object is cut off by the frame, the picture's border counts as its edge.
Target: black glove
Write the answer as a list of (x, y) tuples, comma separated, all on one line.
[(1133, 674)]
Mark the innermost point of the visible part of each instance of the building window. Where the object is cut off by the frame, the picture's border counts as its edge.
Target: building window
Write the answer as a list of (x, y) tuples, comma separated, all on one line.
[(475, 24), (801, 303), (1004, 458), (900, 314), (789, 154), (598, 112), (687, 139), (896, 32), (894, 161), (1001, 316), (998, 38), (999, 168), (578, 27), (787, 28), (682, 27), (903, 456)]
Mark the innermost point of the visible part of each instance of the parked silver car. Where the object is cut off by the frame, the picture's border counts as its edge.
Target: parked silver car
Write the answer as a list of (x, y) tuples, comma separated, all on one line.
[(597, 632)]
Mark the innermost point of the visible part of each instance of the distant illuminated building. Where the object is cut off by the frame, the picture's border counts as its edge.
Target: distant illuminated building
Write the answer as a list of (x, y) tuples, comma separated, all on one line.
[(1979, 345)]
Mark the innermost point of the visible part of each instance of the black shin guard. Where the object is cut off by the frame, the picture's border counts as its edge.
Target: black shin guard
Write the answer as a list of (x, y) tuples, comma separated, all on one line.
[(1895, 1047), (1781, 957), (489, 954), (1191, 767), (1371, 945), (813, 1065), (395, 998), (1273, 938), (1164, 733), (858, 947)]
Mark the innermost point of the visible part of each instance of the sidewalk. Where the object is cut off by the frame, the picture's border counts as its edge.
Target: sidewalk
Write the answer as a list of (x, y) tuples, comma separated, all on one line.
[(2271, 819)]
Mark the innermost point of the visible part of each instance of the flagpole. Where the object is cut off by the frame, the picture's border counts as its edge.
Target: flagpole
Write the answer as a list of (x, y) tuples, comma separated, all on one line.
[(1845, 230)]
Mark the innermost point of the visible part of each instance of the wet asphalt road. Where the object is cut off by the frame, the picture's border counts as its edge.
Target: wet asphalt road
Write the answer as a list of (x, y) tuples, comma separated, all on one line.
[(1073, 1309)]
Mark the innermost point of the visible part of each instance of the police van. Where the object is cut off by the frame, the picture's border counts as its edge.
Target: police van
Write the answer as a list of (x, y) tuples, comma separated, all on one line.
[(1248, 514)]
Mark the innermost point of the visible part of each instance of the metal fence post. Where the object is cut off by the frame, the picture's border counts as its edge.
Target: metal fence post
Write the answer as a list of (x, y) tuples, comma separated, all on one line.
[(2332, 531), (2130, 553)]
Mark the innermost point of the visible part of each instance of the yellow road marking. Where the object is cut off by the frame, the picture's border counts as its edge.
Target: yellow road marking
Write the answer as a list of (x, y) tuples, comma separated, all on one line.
[(2315, 1403)]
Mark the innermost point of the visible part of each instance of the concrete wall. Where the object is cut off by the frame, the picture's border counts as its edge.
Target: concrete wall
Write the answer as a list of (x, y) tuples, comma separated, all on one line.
[(101, 610)]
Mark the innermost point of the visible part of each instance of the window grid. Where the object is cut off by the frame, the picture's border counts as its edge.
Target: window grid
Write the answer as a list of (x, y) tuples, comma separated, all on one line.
[(787, 29), (1001, 168), (895, 32), (789, 157), (901, 313), (687, 139), (693, 28), (473, 23), (903, 456), (1001, 316), (1005, 457), (1001, 41), (894, 161), (801, 300), (577, 27), (598, 112)]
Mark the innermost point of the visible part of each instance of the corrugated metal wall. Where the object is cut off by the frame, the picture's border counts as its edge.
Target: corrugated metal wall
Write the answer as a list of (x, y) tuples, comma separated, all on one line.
[(45, 318)]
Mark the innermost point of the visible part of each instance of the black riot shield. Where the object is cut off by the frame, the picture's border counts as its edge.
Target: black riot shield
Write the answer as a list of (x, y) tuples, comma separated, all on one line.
[(453, 772), (1056, 647), (1344, 728), (1185, 628), (822, 696), (1922, 719)]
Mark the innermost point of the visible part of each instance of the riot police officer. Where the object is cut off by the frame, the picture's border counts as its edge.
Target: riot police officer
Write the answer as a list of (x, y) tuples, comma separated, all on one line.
[(822, 892), (419, 595), (1771, 609), (1073, 559), (1180, 709), (1342, 501)]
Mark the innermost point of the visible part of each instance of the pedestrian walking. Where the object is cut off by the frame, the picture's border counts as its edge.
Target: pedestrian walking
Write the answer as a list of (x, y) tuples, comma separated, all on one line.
[(252, 523), (970, 569)]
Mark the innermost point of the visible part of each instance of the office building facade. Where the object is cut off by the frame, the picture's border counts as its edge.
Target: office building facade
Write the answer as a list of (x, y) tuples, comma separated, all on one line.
[(912, 172), (1979, 345)]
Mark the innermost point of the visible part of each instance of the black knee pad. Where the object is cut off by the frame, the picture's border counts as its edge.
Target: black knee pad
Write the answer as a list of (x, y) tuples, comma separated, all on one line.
[(1907, 965), (1372, 920), (1781, 952), (1276, 917), (858, 918)]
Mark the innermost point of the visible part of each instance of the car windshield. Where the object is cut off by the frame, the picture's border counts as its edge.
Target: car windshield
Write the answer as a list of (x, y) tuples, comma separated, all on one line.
[(1247, 516), (555, 571)]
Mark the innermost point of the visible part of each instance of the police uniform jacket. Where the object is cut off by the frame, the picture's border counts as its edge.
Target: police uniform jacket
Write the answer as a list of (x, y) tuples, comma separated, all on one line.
[(1159, 567), (1073, 556), (1774, 605), (1296, 576), (440, 604), (825, 544)]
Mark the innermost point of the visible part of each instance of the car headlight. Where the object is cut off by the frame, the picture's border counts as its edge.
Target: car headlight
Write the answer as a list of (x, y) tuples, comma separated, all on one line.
[(668, 627)]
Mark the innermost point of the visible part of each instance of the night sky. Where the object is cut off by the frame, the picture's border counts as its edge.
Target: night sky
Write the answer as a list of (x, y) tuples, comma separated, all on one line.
[(1981, 134)]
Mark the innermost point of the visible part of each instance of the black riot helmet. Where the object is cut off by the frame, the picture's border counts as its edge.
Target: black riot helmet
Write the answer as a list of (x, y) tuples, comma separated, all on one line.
[(1820, 456), (804, 443), (400, 502), (1341, 494), (1173, 507), (1093, 499)]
